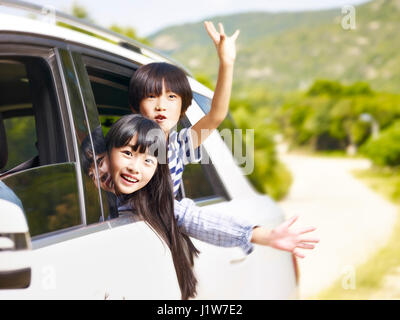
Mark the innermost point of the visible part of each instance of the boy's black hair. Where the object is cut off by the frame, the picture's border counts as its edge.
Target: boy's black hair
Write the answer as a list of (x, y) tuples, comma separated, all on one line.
[(149, 78)]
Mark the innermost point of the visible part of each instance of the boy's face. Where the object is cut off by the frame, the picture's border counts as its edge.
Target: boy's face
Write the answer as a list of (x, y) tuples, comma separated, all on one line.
[(164, 109), (131, 170)]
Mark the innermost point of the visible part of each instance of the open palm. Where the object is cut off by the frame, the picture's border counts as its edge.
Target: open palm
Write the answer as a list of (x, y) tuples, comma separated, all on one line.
[(226, 46), (283, 238)]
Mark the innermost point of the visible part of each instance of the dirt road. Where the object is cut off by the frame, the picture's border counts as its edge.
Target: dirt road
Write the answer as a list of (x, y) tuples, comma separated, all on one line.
[(352, 221)]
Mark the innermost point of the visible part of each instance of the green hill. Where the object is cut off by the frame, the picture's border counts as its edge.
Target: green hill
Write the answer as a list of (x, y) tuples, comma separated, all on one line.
[(288, 51)]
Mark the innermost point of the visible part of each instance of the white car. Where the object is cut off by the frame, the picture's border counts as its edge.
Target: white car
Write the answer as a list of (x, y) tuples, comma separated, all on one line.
[(62, 238)]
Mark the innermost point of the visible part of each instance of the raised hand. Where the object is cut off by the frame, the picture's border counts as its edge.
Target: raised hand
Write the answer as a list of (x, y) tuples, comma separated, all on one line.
[(225, 45)]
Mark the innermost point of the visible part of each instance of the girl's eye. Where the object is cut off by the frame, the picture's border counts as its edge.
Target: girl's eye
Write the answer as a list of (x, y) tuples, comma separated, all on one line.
[(127, 152), (172, 96)]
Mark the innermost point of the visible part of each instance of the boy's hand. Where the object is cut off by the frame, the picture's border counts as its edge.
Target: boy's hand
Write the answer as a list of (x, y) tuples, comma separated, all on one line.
[(225, 45), (283, 238)]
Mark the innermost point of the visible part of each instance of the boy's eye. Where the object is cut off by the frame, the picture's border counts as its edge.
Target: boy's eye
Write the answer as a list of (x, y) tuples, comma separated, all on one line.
[(127, 152), (149, 161)]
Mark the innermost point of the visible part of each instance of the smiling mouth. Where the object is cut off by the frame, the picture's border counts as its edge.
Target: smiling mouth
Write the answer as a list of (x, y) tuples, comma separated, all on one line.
[(160, 117), (129, 179)]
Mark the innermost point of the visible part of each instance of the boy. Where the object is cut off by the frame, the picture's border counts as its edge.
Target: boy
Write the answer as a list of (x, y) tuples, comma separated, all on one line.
[(161, 92)]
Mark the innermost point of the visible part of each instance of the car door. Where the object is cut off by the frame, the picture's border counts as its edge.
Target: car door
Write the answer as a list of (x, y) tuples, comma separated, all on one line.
[(219, 185), (80, 247)]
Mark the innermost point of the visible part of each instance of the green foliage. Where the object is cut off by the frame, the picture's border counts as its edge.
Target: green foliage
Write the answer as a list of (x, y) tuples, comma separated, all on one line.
[(79, 11), (205, 80), (385, 150), (335, 88), (269, 175), (325, 87), (328, 115)]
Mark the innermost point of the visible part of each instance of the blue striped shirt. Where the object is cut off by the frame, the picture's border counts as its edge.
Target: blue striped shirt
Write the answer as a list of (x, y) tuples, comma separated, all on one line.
[(180, 153)]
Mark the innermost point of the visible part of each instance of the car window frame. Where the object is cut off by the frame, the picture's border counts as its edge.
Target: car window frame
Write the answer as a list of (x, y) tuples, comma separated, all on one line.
[(18, 39), (100, 63), (49, 55)]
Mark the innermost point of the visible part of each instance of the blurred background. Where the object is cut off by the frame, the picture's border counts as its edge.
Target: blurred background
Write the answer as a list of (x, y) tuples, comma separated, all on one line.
[(319, 83)]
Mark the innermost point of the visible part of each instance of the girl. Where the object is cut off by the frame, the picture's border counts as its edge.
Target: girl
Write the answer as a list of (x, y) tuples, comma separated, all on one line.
[(143, 182)]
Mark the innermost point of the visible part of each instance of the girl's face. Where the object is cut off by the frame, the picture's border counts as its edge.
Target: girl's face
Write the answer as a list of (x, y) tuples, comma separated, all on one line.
[(131, 170), (164, 109)]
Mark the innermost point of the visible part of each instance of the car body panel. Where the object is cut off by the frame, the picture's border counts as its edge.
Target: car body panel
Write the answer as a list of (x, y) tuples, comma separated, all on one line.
[(111, 264)]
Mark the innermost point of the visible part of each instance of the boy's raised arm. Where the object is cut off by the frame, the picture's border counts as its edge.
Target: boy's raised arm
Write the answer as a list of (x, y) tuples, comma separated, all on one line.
[(226, 49)]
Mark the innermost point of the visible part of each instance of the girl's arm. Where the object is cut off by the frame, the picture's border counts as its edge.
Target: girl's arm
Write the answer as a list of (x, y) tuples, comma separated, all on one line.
[(283, 238), (226, 49), (225, 230), (214, 227)]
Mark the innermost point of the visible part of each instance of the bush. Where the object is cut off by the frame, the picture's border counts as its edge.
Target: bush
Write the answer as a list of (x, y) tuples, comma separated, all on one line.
[(385, 150), (269, 175), (327, 116)]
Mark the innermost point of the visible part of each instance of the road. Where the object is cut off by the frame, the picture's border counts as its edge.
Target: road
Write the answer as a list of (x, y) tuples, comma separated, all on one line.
[(352, 221)]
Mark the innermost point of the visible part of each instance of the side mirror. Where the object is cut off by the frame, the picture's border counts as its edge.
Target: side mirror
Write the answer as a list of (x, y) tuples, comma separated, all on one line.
[(15, 244)]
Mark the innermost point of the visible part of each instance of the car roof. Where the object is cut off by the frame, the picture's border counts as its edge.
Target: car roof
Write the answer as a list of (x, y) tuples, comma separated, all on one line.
[(30, 26), (18, 24)]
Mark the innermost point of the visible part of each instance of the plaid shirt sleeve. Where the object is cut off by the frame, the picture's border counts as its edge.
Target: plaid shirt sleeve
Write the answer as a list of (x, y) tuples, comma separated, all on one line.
[(188, 153), (210, 226)]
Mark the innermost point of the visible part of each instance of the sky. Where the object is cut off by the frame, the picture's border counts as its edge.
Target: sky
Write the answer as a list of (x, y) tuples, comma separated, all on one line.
[(149, 16)]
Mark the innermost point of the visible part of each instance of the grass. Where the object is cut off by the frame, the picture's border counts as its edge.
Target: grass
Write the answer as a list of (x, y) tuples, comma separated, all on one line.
[(370, 275)]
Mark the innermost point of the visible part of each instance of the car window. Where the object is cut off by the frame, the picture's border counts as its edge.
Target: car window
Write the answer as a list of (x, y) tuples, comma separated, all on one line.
[(201, 181), (34, 164), (110, 91), (109, 84)]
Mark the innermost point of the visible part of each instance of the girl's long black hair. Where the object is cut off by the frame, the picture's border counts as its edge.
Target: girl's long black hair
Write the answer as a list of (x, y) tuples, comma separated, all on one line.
[(154, 203)]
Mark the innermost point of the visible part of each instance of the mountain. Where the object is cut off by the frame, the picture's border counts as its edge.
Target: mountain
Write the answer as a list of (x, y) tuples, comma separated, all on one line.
[(288, 51)]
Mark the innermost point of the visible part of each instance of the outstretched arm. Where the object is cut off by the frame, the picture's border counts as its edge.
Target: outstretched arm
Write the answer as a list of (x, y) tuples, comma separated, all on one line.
[(225, 230), (226, 49), (283, 238)]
